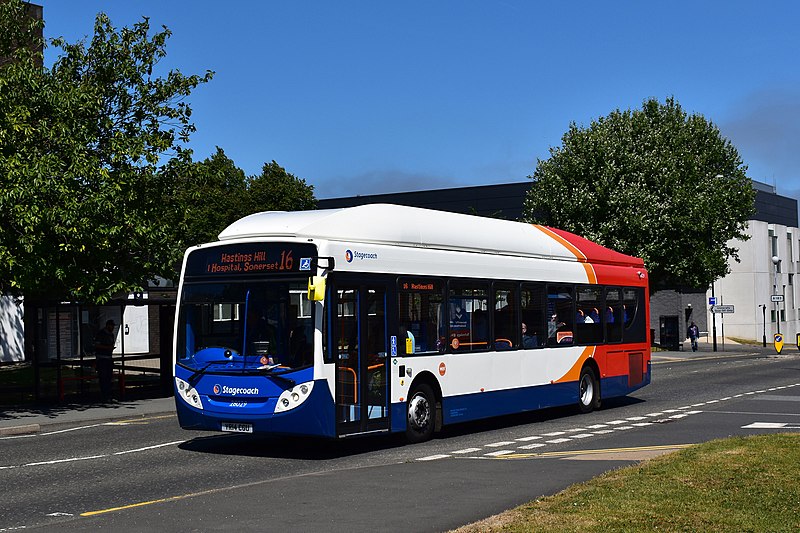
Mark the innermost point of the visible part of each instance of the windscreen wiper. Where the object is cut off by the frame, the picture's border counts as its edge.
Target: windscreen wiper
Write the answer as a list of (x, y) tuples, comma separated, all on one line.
[(269, 371), (199, 372)]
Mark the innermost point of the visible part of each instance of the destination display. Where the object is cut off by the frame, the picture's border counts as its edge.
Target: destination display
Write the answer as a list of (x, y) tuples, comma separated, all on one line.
[(251, 259), (420, 285)]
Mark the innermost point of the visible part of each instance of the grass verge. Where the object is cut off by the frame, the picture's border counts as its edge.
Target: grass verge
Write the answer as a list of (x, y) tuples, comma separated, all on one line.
[(736, 484)]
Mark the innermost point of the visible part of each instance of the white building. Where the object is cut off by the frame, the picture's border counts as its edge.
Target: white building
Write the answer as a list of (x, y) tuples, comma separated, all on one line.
[(770, 261), (752, 283)]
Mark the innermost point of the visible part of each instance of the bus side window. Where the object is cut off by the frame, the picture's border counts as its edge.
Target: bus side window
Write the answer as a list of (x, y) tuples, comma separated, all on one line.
[(614, 314), (421, 302), (561, 310), (468, 303), (588, 320), (506, 317), (532, 308), (633, 317)]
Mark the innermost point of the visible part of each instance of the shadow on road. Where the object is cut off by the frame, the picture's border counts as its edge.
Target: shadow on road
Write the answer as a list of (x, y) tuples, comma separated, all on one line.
[(317, 449)]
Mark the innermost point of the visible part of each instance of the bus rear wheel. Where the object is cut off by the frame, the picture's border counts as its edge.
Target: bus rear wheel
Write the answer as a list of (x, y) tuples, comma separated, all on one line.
[(588, 390), (421, 410)]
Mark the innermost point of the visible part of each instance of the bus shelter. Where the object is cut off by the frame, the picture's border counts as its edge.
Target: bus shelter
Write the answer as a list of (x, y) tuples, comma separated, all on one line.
[(60, 347)]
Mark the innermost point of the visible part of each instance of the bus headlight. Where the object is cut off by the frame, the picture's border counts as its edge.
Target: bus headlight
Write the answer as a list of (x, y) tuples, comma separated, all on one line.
[(188, 393), (293, 397)]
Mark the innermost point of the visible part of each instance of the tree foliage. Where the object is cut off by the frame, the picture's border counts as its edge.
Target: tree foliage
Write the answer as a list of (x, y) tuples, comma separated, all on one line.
[(211, 194), (655, 183), (277, 190), (83, 149), (215, 193)]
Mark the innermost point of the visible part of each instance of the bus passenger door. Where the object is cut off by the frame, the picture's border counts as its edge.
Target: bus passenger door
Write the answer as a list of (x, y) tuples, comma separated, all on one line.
[(362, 365)]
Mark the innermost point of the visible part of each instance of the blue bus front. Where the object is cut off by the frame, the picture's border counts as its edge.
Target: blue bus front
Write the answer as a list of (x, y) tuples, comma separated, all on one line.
[(244, 359)]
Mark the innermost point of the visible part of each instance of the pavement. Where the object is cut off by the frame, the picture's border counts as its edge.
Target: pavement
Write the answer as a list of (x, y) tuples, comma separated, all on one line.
[(32, 419)]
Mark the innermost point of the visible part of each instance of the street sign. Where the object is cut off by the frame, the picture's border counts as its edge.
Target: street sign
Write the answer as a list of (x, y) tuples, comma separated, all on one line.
[(722, 309), (776, 297), (712, 300)]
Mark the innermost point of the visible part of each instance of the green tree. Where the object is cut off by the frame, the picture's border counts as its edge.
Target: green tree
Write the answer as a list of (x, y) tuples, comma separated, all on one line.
[(212, 194), (83, 149), (656, 183), (277, 190)]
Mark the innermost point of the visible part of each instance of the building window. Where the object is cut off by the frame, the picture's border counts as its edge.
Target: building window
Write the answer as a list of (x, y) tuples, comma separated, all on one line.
[(791, 279), (772, 316), (773, 239)]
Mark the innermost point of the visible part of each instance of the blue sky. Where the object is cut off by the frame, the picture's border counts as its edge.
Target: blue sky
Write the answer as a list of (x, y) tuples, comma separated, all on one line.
[(362, 97)]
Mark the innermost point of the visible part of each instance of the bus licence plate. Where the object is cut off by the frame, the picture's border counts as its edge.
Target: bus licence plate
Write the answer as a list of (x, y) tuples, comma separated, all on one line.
[(237, 427)]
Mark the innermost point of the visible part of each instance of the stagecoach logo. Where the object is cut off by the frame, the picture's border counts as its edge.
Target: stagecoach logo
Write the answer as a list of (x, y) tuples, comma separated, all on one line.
[(349, 255), (233, 391)]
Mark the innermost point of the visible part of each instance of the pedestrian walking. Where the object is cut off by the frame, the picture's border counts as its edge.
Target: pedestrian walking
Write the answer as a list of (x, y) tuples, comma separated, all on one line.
[(693, 332)]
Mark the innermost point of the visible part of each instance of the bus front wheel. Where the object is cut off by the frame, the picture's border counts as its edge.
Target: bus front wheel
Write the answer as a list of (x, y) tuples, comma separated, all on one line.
[(421, 409), (588, 391)]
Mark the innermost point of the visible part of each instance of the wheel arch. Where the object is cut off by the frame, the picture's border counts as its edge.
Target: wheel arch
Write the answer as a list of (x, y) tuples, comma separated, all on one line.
[(429, 379), (591, 363)]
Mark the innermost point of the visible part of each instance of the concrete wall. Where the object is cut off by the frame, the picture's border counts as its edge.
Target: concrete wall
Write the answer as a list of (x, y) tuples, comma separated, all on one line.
[(687, 306)]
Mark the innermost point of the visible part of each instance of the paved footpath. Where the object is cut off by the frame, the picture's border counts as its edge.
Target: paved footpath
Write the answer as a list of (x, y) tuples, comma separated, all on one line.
[(17, 421)]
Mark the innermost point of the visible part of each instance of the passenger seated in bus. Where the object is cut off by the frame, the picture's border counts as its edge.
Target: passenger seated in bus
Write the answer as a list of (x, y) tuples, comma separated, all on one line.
[(594, 314), (580, 317), (552, 326), (587, 319), (528, 341)]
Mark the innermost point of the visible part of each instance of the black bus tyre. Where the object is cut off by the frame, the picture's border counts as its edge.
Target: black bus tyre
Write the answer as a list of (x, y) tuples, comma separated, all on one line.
[(421, 414), (588, 390)]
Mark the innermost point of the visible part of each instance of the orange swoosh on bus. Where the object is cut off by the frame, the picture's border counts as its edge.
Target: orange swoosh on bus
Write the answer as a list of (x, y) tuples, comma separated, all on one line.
[(574, 373), (573, 249)]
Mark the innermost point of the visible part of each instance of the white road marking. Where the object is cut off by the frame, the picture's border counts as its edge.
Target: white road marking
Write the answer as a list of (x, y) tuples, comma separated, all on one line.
[(467, 450), (74, 459), (150, 447), (772, 425), (433, 457), (498, 453), (71, 429), (71, 459), (681, 412), (498, 444)]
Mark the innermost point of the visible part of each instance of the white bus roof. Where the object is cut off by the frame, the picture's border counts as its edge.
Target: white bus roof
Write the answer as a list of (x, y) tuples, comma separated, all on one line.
[(411, 226)]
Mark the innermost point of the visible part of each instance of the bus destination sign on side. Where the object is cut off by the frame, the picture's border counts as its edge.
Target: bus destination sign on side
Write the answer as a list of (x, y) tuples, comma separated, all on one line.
[(249, 259)]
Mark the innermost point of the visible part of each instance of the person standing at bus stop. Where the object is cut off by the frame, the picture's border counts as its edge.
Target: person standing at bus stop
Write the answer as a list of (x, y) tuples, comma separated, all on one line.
[(693, 332), (103, 351)]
